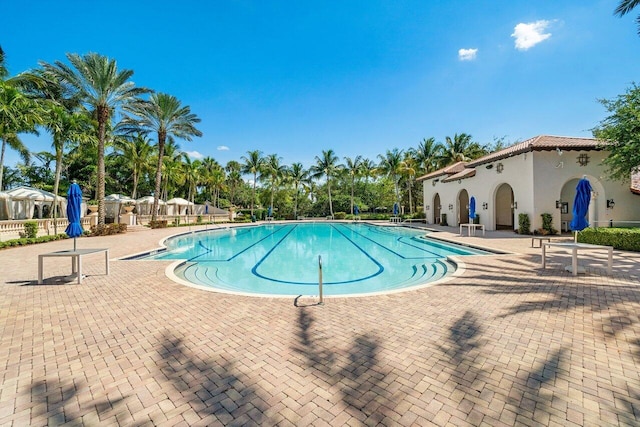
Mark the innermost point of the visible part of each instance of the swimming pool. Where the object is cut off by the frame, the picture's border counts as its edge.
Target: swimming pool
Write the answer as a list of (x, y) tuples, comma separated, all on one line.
[(282, 259)]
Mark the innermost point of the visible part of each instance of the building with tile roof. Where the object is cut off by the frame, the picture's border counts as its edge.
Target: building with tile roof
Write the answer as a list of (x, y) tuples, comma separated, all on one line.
[(532, 177)]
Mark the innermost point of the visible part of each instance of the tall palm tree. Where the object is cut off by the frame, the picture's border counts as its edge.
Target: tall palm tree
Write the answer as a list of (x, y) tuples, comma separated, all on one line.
[(164, 115), (460, 149), (391, 165), (326, 166), (298, 176), (102, 88), (627, 6), (252, 164), (273, 172), (353, 168)]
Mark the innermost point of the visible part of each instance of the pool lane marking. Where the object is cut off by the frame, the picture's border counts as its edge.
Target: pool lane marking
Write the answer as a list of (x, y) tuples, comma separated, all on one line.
[(254, 270)]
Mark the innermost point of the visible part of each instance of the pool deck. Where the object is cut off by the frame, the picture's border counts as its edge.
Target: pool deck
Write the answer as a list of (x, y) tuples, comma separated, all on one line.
[(504, 343)]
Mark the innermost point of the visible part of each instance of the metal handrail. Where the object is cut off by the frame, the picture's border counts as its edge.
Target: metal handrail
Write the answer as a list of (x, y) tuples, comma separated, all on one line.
[(320, 278)]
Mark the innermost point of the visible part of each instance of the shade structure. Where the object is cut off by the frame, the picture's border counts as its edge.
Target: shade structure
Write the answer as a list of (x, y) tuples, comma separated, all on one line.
[(356, 210), (395, 209), (472, 208), (581, 206), (74, 206)]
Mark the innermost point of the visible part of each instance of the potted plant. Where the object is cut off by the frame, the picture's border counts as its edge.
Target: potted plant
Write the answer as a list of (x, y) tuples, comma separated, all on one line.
[(128, 206), (92, 205)]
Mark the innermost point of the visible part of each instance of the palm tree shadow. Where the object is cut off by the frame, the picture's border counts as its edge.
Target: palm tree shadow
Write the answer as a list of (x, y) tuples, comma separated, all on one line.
[(212, 387)]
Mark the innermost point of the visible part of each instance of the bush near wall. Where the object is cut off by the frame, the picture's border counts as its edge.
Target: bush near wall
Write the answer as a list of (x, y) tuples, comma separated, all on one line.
[(30, 241), (160, 223), (626, 239), (108, 229)]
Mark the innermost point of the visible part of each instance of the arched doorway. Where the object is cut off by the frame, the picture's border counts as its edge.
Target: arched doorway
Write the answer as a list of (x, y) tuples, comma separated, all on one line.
[(463, 207), (436, 209), (504, 207)]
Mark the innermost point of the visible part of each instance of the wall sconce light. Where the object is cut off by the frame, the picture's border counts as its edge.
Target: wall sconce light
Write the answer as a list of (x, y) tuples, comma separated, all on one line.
[(610, 203), (583, 159), (499, 168), (439, 207), (450, 207), (558, 204), (433, 183), (427, 208), (485, 206), (514, 205), (459, 181)]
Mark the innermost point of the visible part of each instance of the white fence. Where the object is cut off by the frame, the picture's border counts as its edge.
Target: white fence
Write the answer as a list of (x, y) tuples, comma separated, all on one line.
[(11, 229)]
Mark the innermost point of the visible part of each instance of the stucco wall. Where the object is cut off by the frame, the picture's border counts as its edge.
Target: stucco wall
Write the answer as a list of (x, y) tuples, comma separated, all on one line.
[(537, 180)]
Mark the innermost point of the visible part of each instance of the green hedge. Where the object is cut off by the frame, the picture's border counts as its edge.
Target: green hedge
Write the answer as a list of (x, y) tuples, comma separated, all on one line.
[(30, 241), (108, 229), (626, 239)]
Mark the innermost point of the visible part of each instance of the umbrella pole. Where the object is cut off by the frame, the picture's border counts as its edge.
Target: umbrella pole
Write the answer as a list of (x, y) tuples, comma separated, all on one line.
[(575, 237), (74, 244)]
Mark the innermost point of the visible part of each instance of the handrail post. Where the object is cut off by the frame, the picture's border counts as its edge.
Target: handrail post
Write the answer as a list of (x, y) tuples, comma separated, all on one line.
[(320, 279)]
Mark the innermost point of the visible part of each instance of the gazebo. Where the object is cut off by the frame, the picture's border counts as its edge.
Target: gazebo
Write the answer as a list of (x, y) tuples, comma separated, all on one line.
[(28, 201), (114, 203), (176, 204), (145, 204), (6, 208)]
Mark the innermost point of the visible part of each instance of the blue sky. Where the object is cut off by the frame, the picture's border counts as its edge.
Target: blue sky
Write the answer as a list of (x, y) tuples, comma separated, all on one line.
[(358, 77)]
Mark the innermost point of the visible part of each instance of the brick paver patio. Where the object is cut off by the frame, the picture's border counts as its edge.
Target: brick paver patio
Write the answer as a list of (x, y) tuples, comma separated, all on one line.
[(505, 343)]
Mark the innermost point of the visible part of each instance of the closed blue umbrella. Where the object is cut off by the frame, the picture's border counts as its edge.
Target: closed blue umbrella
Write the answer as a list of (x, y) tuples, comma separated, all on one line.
[(206, 208), (395, 209), (74, 203), (269, 211), (581, 206), (356, 210), (472, 208)]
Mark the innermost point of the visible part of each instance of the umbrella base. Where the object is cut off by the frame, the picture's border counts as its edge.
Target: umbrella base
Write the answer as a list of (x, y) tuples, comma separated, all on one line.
[(581, 269)]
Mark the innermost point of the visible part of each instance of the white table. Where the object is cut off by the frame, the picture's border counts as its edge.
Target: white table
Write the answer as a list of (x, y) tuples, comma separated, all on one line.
[(76, 261), (575, 248), (471, 229)]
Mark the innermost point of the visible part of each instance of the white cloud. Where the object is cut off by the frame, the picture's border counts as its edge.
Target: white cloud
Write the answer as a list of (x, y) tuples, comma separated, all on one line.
[(467, 54), (194, 154), (529, 35), (222, 148)]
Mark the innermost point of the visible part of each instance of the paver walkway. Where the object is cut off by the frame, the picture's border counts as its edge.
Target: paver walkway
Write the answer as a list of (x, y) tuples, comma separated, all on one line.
[(505, 343)]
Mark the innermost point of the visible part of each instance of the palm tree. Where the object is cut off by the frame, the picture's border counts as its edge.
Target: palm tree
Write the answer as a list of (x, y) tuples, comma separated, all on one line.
[(391, 165), (137, 152), (428, 155), (354, 168), (273, 172), (18, 113), (298, 176), (234, 178), (99, 85), (460, 149), (627, 6), (164, 115), (191, 172), (252, 164), (408, 168), (326, 166)]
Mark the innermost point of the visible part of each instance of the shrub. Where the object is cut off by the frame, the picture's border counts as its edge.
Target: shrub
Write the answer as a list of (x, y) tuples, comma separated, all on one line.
[(443, 219), (108, 229), (28, 241), (524, 224), (30, 229), (159, 223), (626, 239), (340, 215), (547, 224), (199, 219)]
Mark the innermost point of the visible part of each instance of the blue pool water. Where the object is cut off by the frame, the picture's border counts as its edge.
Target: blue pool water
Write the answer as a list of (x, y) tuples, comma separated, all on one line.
[(282, 259)]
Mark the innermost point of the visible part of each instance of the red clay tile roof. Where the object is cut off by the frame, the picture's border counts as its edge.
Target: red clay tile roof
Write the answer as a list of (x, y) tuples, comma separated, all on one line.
[(466, 173), (540, 143), (454, 168), (635, 183)]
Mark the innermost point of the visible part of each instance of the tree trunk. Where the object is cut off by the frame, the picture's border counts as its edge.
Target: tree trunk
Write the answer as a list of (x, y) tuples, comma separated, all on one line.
[(56, 186), (156, 196), (103, 116), (330, 203), (4, 146)]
